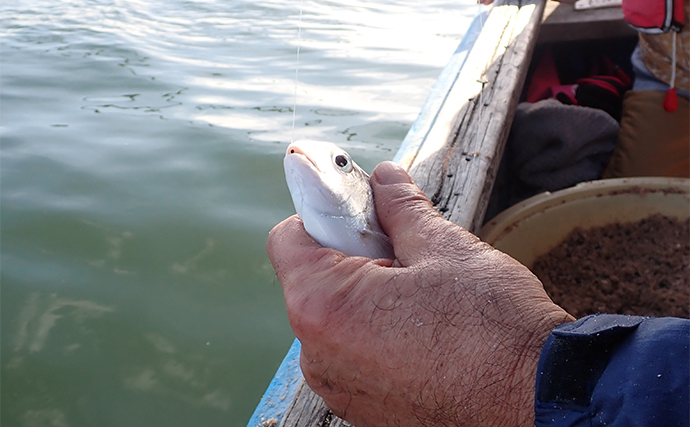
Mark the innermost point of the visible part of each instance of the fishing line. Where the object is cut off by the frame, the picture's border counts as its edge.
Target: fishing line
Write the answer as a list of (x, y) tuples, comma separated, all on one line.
[(481, 20), (299, 37), (481, 27)]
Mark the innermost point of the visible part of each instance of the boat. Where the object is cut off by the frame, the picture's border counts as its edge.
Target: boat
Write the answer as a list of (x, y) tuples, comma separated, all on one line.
[(454, 148)]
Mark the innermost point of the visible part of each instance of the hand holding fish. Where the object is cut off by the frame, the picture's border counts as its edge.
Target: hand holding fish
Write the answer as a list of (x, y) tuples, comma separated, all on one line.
[(448, 333)]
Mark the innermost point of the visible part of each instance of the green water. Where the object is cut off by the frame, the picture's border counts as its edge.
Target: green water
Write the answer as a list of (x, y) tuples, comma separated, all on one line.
[(141, 170)]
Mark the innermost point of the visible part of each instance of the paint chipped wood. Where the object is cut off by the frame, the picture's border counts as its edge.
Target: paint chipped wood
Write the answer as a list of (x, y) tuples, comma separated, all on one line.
[(456, 166)]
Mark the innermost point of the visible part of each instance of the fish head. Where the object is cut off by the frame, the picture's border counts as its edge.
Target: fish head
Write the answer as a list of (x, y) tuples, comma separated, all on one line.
[(324, 180), (333, 198)]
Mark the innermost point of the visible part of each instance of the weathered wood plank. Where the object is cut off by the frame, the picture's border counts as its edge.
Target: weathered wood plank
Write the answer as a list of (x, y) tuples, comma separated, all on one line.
[(457, 163), (306, 409)]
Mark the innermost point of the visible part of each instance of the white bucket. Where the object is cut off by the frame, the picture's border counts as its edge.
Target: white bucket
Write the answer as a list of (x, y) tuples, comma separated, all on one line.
[(534, 226)]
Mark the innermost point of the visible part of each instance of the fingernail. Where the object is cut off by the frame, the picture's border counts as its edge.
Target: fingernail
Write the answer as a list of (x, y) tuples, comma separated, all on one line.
[(387, 173)]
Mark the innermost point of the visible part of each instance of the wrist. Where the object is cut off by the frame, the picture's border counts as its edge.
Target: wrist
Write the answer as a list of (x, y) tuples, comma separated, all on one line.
[(522, 390)]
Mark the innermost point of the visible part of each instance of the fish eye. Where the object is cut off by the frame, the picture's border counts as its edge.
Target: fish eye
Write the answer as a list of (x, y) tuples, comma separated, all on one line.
[(343, 162)]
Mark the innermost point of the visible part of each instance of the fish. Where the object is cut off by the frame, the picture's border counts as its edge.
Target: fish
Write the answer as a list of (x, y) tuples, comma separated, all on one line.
[(333, 198)]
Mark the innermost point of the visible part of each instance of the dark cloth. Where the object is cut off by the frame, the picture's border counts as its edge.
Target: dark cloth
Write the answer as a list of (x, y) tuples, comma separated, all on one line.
[(554, 146), (615, 370)]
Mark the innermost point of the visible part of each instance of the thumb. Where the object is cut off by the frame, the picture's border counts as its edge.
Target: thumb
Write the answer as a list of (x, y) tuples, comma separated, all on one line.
[(405, 213)]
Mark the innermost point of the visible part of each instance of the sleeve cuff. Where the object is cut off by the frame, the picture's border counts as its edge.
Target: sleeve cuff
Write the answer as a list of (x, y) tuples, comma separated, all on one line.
[(615, 370)]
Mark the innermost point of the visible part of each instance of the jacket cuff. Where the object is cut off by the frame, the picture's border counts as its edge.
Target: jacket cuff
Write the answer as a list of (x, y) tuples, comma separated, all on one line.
[(610, 369)]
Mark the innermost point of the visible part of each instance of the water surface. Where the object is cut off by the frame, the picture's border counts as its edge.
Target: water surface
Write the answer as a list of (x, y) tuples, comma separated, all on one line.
[(142, 146)]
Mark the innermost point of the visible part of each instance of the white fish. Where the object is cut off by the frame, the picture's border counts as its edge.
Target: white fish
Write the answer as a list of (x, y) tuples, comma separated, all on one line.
[(333, 198)]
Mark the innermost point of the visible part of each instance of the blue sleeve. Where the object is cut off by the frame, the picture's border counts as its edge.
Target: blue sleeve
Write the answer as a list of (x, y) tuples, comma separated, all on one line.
[(614, 370)]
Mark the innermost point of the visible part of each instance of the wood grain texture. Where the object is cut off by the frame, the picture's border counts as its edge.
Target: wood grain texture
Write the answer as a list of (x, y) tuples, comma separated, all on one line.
[(457, 164), (307, 410)]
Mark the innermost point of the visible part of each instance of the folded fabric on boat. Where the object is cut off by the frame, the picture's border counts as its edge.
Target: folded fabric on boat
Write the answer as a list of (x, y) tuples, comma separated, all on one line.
[(554, 146)]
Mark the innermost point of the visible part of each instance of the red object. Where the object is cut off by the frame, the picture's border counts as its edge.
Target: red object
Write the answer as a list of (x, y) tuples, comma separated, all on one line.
[(671, 100), (654, 16), (601, 82), (545, 77), (627, 81), (565, 94)]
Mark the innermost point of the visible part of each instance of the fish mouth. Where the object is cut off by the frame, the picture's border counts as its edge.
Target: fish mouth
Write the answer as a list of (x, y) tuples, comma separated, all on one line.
[(295, 150), (306, 183)]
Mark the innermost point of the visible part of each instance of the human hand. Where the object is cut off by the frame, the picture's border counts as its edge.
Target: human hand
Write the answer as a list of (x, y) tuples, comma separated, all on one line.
[(447, 334)]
